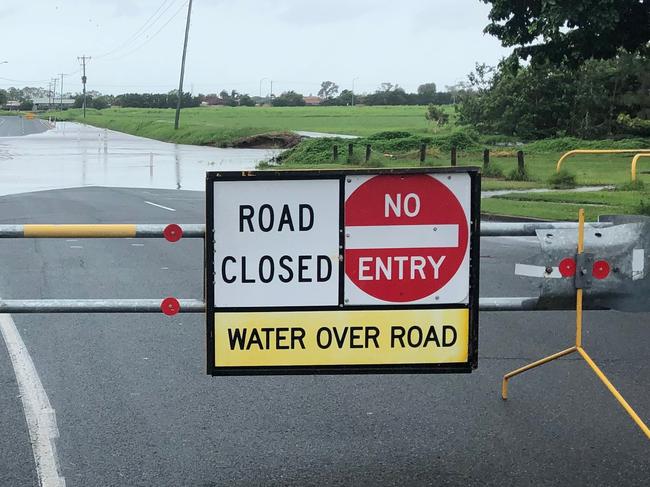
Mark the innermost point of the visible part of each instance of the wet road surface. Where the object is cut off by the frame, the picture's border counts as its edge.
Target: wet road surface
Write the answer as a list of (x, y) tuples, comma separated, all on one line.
[(74, 155)]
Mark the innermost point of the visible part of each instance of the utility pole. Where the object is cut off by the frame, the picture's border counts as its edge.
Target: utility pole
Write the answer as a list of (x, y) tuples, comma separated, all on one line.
[(180, 83), (54, 81), (83, 60), (62, 75), (353, 80)]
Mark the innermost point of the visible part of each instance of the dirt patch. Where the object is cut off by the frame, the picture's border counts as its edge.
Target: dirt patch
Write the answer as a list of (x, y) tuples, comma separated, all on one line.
[(271, 140)]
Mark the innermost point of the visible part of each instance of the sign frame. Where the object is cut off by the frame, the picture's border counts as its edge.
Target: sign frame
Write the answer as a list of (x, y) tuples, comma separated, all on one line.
[(411, 368)]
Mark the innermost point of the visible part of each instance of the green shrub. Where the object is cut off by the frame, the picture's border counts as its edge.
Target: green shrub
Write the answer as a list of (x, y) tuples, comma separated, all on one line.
[(631, 186), (563, 144), (388, 135), (314, 151), (562, 180), (492, 171), (462, 138), (518, 174), (643, 207)]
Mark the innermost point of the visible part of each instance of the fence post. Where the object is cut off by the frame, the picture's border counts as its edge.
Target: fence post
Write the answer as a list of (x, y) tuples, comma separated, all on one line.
[(350, 150), (486, 158), (453, 156), (335, 153), (423, 152), (368, 149), (520, 161)]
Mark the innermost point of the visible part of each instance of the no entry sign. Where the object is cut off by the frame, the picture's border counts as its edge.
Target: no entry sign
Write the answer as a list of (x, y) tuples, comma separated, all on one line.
[(407, 238), (342, 272)]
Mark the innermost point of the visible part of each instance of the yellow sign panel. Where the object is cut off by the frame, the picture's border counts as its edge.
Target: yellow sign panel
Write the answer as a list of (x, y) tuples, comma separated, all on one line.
[(346, 337)]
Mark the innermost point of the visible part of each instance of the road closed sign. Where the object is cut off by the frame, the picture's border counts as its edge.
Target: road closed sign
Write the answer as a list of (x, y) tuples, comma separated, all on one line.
[(342, 272)]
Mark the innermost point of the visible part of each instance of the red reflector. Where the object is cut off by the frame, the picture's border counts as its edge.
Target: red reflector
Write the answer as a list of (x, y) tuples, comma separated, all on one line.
[(600, 269), (173, 232), (568, 267), (170, 306)]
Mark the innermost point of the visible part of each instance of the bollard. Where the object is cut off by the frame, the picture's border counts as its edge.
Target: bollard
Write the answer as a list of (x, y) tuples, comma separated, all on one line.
[(520, 161), (423, 152), (453, 156), (335, 153), (368, 149), (486, 158)]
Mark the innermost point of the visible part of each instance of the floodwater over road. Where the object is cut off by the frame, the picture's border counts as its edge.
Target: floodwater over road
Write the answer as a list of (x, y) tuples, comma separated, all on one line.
[(74, 155)]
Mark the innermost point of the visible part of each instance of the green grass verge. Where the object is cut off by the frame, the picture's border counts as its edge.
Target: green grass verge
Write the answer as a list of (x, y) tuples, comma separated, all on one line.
[(222, 125), (565, 205)]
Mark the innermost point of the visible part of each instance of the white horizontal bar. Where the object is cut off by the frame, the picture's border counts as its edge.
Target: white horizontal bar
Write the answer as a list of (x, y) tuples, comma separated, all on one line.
[(638, 258), (536, 271), (401, 236)]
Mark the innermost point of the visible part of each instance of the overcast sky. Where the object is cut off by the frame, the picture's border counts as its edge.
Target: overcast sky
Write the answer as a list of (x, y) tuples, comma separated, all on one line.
[(136, 44)]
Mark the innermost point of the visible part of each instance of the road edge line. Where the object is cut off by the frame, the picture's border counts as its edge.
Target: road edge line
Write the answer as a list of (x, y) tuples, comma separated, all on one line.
[(39, 413)]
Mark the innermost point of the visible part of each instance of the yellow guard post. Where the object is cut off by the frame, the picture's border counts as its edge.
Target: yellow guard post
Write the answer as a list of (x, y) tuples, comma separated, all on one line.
[(578, 348)]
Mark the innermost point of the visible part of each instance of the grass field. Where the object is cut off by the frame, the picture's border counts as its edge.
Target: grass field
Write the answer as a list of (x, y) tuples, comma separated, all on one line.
[(221, 126)]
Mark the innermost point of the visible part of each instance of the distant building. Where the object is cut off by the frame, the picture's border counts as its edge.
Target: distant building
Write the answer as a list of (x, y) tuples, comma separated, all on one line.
[(312, 100), (12, 105), (53, 103), (212, 100)]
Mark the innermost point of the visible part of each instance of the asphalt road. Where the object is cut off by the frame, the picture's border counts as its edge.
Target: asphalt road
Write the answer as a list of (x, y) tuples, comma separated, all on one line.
[(18, 126), (134, 406)]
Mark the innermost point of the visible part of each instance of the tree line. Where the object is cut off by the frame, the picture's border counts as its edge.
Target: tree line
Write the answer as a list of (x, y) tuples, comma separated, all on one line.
[(587, 71)]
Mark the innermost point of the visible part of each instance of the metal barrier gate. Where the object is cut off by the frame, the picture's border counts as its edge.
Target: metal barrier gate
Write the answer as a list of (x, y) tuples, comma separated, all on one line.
[(173, 233), (623, 245)]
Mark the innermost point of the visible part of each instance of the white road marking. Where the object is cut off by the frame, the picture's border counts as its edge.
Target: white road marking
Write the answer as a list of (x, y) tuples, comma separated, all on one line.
[(137, 245), (39, 414), (71, 240), (76, 246), (160, 206)]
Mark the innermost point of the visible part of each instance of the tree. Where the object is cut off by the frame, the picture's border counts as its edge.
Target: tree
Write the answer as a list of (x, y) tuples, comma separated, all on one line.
[(597, 99), (26, 105), (101, 102), (3, 97), (427, 89), (288, 99), (246, 101), (328, 90), (230, 99), (570, 32), (435, 114)]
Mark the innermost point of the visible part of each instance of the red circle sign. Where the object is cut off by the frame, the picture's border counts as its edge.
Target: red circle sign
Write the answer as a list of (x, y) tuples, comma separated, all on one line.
[(406, 237)]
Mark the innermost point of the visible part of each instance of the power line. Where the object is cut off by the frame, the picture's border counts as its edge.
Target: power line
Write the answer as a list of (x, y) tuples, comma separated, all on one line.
[(141, 30), (151, 37)]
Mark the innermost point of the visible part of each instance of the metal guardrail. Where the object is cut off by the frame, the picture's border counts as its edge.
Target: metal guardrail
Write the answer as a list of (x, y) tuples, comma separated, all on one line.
[(600, 151), (635, 160)]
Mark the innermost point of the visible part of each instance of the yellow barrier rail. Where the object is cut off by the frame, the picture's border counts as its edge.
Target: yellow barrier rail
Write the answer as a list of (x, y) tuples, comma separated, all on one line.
[(635, 159), (638, 152)]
